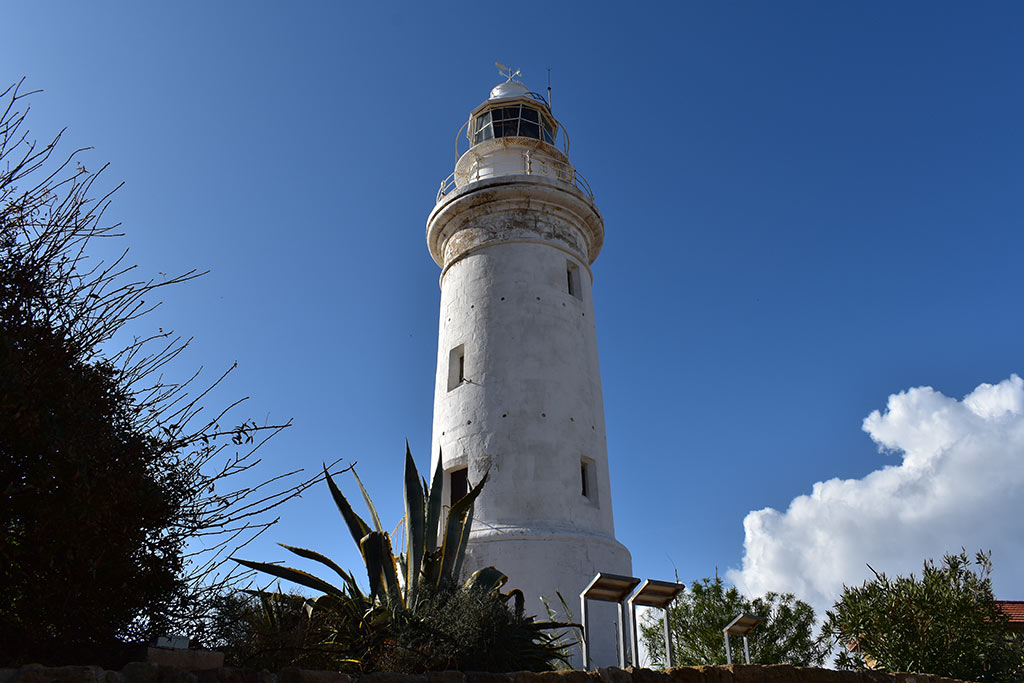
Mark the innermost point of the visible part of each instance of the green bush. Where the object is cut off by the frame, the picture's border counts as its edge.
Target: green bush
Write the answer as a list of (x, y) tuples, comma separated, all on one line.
[(262, 630), (944, 623)]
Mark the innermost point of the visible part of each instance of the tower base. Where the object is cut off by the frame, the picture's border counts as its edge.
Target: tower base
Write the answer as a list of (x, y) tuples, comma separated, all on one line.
[(546, 564)]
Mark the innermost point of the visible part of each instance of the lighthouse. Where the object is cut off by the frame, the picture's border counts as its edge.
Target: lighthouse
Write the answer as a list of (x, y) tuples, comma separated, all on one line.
[(515, 232)]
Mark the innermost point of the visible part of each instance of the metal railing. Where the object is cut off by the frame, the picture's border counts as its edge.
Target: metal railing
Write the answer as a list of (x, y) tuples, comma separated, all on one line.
[(447, 185), (563, 171)]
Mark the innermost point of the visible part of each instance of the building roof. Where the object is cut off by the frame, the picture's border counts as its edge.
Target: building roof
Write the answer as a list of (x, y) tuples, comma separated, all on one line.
[(1015, 610)]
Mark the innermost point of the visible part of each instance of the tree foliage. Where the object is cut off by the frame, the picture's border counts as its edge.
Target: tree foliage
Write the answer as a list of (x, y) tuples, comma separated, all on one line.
[(946, 623), (107, 470), (698, 615)]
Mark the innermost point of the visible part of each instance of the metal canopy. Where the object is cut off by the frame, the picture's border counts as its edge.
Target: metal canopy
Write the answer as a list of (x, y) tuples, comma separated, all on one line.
[(607, 588), (653, 593), (610, 587), (743, 624), (740, 626)]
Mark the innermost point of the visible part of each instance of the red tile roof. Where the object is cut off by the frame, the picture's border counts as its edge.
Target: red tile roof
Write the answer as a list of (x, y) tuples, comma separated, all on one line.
[(1014, 609)]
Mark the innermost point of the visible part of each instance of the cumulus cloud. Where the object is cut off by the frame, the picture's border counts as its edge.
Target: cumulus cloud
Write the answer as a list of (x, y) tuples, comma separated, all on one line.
[(959, 483)]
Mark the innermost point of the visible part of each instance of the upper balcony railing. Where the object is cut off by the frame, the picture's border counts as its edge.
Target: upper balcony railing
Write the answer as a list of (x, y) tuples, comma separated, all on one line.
[(548, 167)]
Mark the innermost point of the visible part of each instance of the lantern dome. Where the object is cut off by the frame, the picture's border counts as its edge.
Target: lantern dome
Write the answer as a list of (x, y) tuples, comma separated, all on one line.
[(509, 89)]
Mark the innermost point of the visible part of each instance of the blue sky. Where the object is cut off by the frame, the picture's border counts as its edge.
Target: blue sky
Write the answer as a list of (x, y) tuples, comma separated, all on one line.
[(808, 206)]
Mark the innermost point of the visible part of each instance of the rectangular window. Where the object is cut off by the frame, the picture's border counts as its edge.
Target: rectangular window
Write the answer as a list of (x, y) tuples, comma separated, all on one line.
[(588, 480), (459, 485), (456, 366), (572, 274)]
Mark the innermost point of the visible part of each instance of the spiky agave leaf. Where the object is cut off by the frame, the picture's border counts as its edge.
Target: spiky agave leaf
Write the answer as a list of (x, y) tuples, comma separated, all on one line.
[(328, 562), (356, 526), (460, 553), (486, 579), (294, 575), (434, 504), (369, 504), (455, 527), (490, 579), (414, 527), (380, 566)]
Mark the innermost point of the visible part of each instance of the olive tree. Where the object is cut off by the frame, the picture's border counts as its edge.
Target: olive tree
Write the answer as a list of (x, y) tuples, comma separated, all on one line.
[(698, 615)]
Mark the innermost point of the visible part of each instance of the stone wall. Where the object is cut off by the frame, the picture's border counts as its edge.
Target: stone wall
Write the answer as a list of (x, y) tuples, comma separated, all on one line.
[(149, 672)]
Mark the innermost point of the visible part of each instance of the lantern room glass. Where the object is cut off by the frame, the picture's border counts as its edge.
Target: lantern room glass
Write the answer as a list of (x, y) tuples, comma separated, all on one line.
[(517, 120)]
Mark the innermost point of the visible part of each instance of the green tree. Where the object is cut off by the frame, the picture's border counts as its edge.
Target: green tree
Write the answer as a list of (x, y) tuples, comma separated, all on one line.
[(107, 471), (946, 623), (698, 615)]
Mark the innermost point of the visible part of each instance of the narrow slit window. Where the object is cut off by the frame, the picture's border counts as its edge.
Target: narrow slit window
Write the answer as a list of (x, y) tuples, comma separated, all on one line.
[(456, 366), (588, 480), (459, 485), (572, 275)]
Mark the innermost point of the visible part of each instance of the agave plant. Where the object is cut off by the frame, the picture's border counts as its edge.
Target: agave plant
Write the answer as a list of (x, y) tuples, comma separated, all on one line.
[(395, 581), (409, 593)]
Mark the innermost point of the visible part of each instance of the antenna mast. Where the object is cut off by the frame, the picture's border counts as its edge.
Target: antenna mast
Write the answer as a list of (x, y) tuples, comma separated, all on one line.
[(549, 87)]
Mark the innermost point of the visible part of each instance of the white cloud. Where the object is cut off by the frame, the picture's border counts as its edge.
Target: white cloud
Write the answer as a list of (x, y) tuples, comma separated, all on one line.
[(960, 484)]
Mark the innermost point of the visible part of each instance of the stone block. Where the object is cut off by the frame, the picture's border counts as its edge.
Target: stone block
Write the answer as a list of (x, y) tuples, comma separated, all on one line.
[(746, 673), (524, 677), (445, 677), (871, 676), (780, 673), (388, 677), (35, 673), (568, 676), (807, 674), (906, 677), (685, 674), (613, 674), (716, 674), (293, 674), (193, 660), (850, 677), (481, 677), (151, 672), (228, 675), (641, 675)]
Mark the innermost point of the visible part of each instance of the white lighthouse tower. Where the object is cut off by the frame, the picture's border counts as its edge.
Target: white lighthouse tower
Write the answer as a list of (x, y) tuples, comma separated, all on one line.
[(518, 393)]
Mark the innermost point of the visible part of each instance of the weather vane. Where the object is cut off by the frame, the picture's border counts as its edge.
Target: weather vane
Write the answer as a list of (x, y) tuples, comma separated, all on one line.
[(507, 72)]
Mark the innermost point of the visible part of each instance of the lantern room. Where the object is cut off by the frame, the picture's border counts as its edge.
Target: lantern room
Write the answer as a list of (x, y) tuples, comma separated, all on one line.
[(513, 132), (513, 111)]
